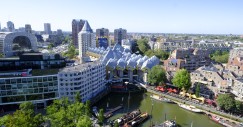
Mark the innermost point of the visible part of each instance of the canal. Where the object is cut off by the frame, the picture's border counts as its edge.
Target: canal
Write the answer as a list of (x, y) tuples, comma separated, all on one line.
[(160, 110)]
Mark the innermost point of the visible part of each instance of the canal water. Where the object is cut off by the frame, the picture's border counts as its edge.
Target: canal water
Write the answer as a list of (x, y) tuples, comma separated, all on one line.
[(160, 110)]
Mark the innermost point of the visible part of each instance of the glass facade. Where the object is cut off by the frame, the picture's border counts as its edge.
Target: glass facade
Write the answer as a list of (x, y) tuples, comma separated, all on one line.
[(16, 89)]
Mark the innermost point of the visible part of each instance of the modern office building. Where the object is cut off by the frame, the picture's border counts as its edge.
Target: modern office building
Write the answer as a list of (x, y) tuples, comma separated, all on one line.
[(119, 35), (88, 79), (33, 61), (77, 25), (10, 26), (102, 33), (14, 43), (21, 29), (86, 39), (59, 32), (102, 42), (38, 89), (47, 28), (28, 28)]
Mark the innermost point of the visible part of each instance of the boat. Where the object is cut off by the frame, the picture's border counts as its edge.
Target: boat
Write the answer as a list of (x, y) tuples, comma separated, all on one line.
[(127, 117), (221, 121), (109, 113), (190, 108), (167, 123), (214, 118), (159, 98), (139, 119)]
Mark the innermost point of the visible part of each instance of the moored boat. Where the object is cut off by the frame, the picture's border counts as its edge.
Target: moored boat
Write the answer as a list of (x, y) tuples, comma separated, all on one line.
[(221, 121), (128, 117), (159, 98), (190, 108), (139, 119), (167, 123)]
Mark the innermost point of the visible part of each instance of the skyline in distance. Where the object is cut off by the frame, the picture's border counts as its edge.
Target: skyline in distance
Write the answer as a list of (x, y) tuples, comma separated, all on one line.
[(171, 16)]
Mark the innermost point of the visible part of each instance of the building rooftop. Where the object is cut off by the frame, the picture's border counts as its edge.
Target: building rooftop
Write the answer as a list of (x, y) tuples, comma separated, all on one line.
[(79, 67), (86, 27)]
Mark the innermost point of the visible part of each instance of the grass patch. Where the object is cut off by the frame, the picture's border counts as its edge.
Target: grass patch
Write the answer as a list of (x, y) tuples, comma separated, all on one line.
[(39, 72)]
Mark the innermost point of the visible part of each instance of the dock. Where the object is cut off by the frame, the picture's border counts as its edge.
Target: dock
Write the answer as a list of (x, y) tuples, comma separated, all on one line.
[(109, 113)]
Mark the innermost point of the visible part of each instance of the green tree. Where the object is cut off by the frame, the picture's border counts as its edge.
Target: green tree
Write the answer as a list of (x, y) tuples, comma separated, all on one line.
[(88, 108), (162, 55), (197, 89), (1, 55), (149, 53), (77, 97), (71, 51), (182, 79), (101, 117), (50, 46), (57, 113), (219, 56), (156, 75), (238, 107), (226, 102), (84, 122), (67, 39), (116, 124), (143, 45), (25, 117)]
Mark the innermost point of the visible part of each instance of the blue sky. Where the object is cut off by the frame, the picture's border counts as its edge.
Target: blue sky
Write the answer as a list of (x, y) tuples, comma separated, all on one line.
[(160, 16)]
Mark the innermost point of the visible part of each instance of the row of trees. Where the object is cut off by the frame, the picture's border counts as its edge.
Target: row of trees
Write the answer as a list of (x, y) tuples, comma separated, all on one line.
[(229, 104), (145, 49), (220, 56), (182, 79), (62, 113)]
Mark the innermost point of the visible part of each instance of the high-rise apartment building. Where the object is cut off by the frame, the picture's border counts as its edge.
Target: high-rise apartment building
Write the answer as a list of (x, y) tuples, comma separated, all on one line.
[(59, 32), (86, 39), (88, 79), (28, 28), (47, 28), (77, 25), (10, 26), (119, 35), (102, 32)]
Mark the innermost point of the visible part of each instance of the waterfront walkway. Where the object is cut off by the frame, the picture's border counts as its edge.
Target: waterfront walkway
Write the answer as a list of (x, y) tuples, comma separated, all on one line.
[(206, 108)]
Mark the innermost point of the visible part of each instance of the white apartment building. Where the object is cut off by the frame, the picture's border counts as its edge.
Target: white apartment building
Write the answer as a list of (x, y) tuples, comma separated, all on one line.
[(237, 89), (86, 39), (88, 79)]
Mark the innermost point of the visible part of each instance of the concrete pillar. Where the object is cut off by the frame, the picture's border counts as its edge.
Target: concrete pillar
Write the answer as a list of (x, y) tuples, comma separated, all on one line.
[(110, 75), (121, 73), (145, 77), (130, 75), (42, 65)]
